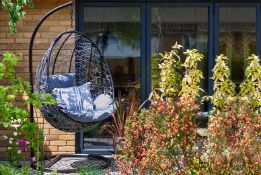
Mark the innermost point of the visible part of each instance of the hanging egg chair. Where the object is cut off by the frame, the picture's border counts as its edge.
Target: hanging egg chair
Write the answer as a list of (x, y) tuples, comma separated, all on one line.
[(74, 71)]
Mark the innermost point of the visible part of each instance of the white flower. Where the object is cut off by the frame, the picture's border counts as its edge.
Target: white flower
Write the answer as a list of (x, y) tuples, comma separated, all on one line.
[(8, 148), (15, 126), (10, 140), (15, 133), (5, 137), (19, 151)]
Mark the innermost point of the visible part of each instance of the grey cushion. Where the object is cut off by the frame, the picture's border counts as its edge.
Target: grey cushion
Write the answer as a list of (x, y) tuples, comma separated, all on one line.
[(62, 80), (77, 103), (103, 105)]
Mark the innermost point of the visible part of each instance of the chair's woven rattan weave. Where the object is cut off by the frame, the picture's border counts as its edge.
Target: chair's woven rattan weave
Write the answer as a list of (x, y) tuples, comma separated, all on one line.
[(73, 52)]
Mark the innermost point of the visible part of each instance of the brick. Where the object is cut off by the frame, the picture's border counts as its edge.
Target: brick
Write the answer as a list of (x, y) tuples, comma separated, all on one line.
[(51, 148), (66, 148), (51, 137), (42, 40), (47, 125), (56, 131), (22, 40), (4, 41), (25, 29), (46, 131), (30, 22), (17, 35), (39, 52), (49, 35), (58, 143), (61, 152), (2, 35), (3, 132), (66, 137), (70, 143), (2, 149), (29, 35), (4, 18), (57, 29), (46, 142)]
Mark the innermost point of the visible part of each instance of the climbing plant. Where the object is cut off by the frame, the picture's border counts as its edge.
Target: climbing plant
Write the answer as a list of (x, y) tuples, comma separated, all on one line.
[(16, 11)]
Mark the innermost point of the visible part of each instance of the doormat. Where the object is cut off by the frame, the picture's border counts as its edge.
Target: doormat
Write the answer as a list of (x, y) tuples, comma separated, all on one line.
[(72, 163)]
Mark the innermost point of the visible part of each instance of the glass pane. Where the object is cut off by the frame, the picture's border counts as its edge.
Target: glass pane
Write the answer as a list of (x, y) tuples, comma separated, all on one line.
[(116, 30), (237, 37), (186, 25)]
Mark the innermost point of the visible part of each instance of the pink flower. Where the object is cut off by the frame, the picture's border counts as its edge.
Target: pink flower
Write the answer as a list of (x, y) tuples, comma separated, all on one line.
[(32, 160), (24, 144)]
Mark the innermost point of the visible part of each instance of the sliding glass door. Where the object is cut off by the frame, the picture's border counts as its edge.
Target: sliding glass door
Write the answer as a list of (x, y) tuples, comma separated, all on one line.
[(131, 34), (117, 32)]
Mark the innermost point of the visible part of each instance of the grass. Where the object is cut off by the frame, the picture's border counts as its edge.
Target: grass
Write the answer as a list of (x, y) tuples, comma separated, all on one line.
[(7, 169), (90, 170)]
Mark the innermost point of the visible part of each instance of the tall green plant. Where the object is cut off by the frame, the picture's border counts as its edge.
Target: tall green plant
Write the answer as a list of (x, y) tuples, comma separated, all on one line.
[(190, 83), (251, 86), (16, 11), (223, 87), (170, 73)]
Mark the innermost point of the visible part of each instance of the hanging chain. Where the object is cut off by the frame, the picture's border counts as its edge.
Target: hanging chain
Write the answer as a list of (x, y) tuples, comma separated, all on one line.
[(71, 15)]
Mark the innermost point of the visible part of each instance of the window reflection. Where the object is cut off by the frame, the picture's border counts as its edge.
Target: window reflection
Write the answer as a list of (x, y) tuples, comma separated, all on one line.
[(237, 37), (117, 33), (189, 27)]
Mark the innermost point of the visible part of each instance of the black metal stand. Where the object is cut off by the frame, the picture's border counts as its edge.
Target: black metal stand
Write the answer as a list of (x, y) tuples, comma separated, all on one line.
[(31, 53), (105, 161)]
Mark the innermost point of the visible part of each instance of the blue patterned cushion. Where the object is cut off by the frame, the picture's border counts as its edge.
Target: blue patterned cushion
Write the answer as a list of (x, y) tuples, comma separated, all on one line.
[(77, 103), (62, 80)]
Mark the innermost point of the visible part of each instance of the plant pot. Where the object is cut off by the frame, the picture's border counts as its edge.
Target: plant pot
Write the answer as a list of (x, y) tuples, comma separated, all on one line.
[(118, 143)]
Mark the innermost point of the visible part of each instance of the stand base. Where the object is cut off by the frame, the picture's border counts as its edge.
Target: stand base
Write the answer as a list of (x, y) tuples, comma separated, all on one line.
[(73, 162)]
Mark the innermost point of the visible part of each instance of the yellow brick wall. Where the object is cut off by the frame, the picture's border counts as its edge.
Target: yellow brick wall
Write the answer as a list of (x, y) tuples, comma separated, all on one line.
[(57, 142)]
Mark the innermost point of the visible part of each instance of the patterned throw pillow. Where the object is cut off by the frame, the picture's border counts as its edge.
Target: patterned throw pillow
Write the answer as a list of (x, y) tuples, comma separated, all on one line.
[(76, 103), (62, 80)]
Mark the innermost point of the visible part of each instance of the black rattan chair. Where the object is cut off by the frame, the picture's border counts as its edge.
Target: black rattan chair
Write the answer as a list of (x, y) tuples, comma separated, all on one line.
[(73, 54)]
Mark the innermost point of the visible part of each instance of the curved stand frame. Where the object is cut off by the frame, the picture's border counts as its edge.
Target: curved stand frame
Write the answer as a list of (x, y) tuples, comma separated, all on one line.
[(31, 49), (31, 44)]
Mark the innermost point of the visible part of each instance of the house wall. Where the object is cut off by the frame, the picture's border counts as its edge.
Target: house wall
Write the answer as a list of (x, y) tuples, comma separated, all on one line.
[(56, 142)]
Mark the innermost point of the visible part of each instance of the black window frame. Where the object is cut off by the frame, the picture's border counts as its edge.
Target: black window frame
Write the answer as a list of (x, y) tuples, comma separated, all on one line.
[(145, 60)]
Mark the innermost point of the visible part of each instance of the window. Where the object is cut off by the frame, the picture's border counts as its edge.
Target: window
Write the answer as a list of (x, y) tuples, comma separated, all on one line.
[(131, 33)]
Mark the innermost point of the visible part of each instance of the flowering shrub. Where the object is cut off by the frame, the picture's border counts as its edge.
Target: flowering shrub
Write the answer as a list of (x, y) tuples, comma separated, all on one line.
[(235, 122), (14, 114), (233, 134), (163, 138)]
